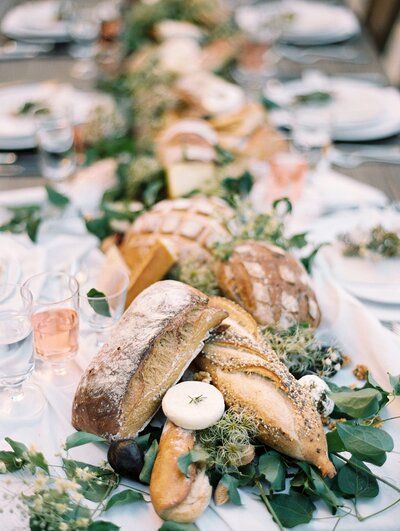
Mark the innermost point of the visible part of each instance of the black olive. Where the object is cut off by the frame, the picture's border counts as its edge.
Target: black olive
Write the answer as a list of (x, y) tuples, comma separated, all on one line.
[(126, 458)]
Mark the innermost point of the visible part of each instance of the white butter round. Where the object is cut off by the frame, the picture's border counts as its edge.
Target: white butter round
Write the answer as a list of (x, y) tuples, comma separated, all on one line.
[(193, 405)]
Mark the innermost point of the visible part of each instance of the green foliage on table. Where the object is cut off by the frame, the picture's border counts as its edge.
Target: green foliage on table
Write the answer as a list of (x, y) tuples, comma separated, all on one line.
[(149, 458), (98, 301)]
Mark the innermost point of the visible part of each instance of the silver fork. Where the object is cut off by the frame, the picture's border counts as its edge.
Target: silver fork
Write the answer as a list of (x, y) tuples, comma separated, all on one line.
[(356, 158)]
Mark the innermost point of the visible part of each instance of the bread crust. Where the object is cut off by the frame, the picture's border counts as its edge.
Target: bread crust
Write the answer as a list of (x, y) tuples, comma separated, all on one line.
[(152, 345), (175, 496), (189, 226), (270, 284), (252, 378)]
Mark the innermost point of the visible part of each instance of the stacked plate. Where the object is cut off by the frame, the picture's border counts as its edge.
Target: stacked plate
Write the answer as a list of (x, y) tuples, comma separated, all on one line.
[(360, 111), (36, 22), (303, 23), (374, 280), (17, 131)]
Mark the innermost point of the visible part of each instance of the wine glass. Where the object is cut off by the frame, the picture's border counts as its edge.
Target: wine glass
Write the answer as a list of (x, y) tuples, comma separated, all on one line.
[(84, 25), (17, 400), (103, 296), (55, 140), (55, 322)]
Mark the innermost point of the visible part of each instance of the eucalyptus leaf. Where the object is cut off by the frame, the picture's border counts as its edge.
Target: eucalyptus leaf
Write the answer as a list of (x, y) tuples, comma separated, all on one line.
[(395, 383), (79, 438), (288, 207), (193, 456), (32, 228), (298, 241), (151, 192), (354, 482), (149, 458), (11, 461), (101, 525), (335, 443), (292, 509), (98, 301), (223, 156), (324, 491), (37, 460), (18, 447), (175, 526), (56, 198), (271, 466), (358, 403), (365, 442), (232, 484), (123, 498), (100, 227)]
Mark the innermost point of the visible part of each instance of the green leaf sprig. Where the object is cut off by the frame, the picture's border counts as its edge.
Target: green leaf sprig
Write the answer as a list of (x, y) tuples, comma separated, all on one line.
[(98, 301)]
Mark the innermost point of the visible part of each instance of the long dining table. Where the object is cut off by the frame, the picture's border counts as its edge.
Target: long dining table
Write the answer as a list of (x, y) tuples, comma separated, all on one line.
[(57, 65)]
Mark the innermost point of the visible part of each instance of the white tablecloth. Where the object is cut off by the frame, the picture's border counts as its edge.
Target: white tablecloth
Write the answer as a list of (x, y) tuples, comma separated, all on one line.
[(358, 332)]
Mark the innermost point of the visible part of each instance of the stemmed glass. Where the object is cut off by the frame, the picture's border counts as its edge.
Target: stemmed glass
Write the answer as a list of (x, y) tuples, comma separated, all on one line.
[(17, 400), (103, 296), (55, 140), (55, 322), (84, 24)]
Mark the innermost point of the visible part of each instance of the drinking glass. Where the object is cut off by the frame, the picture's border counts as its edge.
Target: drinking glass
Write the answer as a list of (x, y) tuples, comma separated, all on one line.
[(286, 177), (102, 312), (17, 400), (84, 24), (55, 140), (55, 321), (311, 133)]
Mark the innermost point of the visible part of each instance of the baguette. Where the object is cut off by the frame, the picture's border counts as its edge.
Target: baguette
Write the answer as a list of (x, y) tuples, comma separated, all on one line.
[(251, 377), (152, 345), (175, 496)]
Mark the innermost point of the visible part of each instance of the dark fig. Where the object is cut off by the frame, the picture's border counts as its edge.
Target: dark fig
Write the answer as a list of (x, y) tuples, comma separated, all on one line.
[(126, 458)]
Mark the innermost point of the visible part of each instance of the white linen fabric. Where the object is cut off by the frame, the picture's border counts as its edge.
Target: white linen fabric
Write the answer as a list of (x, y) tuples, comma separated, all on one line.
[(359, 334)]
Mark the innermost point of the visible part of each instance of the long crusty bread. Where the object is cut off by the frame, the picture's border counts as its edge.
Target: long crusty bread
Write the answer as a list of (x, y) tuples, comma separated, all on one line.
[(252, 378), (175, 496), (155, 341)]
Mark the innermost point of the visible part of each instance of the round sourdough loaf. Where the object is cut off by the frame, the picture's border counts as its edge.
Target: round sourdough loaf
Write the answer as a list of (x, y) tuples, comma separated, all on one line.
[(270, 284), (156, 339), (189, 226)]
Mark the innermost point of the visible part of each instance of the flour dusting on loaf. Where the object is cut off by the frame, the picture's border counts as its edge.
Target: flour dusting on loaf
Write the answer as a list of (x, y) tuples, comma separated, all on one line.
[(155, 340)]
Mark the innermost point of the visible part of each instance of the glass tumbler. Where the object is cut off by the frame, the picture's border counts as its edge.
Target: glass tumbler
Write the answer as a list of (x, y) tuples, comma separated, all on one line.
[(55, 140), (103, 296), (55, 322), (18, 400)]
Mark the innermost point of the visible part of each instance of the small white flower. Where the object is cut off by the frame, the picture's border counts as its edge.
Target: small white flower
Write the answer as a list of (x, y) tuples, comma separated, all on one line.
[(61, 507), (337, 367), (84, 474), (3, 468), (82, 522), (328, 361), (63, 526), (38, 503), (62, 485)]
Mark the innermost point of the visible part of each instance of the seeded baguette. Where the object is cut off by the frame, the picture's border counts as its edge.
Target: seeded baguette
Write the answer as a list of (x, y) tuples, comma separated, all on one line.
[(251, 377), (156, 339)]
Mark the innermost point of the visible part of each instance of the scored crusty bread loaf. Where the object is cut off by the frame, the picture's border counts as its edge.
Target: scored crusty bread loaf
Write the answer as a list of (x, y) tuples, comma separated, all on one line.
[(251, 377), (175, 496), (190, 226), (154, 342), (270, 284)]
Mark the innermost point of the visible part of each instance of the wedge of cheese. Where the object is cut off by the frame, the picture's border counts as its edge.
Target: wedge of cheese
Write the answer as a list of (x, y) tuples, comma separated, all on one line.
[(185, 177), (147, 266)]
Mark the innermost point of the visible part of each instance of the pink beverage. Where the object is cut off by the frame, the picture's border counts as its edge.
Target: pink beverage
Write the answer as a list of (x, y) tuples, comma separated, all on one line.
[(56, 334), (287, 176)]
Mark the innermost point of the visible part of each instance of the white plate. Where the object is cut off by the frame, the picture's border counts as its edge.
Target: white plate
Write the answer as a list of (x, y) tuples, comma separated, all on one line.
[(371, 280), (17, 132), (361, 111), (35, 21), (311, 24)]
